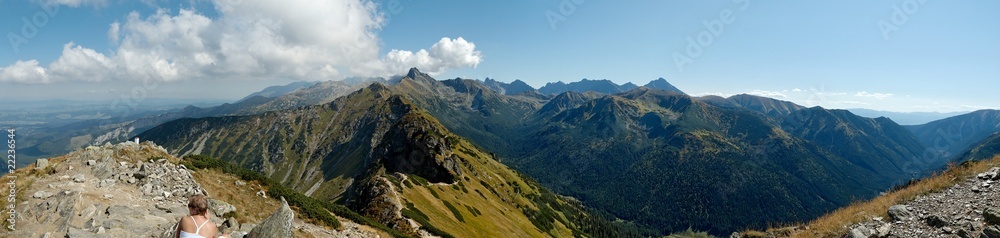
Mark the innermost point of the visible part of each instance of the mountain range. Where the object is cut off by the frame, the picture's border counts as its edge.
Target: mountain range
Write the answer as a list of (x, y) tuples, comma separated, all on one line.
[(386, 158), (589, 158), (632, 152)]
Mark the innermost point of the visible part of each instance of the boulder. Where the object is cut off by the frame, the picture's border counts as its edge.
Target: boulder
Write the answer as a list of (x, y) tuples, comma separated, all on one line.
[(963, 233), (40, 164), (884, 230), (106, 183), (278, 224), (105, 168), (219, 207), (79, 178), (900, 213), (42, 195), (992, 232), (991, 216), (936, 221), (992, 174), (57, 209), (861, 232)]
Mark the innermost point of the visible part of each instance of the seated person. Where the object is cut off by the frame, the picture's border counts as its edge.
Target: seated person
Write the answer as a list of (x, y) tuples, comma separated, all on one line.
[(197, 224)]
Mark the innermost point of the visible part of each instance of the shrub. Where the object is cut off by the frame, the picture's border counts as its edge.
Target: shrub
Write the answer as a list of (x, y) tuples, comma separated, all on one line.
[(454, 211)]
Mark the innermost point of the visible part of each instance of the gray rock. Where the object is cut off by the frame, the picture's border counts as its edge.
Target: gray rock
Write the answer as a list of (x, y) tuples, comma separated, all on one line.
[(106, 183), (861, 232), (963, 233), (219, 207), (992, 232), (884, 230), (91, 162), (936, 221), (105, 168), (42, 195), (991, 216), (900, 213), (992, 174), (79, 178), (230, 225), (78, 233), (40, 164), (58, 209), (278, 224), (88, 212)]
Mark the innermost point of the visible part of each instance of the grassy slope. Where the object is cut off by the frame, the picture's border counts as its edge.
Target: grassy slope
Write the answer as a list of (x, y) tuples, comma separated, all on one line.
[(834, 224), (498, 219)]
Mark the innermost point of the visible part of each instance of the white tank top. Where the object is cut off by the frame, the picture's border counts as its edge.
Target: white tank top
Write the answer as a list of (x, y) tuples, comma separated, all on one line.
[(197, 229)]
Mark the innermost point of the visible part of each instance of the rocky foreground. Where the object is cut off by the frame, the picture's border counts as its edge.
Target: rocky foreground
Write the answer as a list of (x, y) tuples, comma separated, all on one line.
[(969, 209), (134, 190)]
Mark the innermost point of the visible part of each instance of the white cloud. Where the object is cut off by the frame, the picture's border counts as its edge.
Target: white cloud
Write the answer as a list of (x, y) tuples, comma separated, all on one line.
[(873, 95), (24, 72), (797, 90), (74, 3), (851, 103), (114, 32), (770, 94), (250, 39), (445, 54), (725, 95)]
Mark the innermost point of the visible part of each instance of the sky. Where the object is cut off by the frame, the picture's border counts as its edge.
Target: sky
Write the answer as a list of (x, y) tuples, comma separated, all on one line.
[(894, 55)]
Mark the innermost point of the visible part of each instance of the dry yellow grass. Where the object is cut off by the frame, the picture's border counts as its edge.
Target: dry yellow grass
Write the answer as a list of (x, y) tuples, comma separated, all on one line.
[(834, 224), (251, 208)]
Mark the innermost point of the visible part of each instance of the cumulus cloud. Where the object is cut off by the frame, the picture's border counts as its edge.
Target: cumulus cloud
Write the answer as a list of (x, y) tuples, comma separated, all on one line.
[(445, 54), (24, 72), (250, 39), (873, 95)]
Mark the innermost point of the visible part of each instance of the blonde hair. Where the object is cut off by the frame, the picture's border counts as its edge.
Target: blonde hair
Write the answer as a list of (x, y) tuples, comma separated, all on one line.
[(199, 203)]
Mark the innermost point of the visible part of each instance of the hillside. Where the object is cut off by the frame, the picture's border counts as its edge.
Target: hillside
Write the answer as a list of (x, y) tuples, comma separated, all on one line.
[(958, 202), (952, 136), (637, 154), (389, 160), (133, 190)]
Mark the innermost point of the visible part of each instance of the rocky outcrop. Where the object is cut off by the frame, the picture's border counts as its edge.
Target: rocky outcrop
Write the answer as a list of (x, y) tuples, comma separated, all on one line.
[(133, 190), (278, 224), (376, 198), (969, 209), (414, 145)]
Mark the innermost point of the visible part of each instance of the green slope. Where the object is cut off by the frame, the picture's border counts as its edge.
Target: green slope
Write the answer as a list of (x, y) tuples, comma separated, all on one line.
[(389, 160)]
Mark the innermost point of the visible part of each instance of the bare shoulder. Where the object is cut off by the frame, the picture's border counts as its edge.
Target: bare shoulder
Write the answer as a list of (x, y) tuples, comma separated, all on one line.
[(185, 222), (210, 230)]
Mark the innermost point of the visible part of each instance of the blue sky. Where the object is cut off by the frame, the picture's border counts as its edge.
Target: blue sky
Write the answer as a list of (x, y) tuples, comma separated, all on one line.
[(935, 55)]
